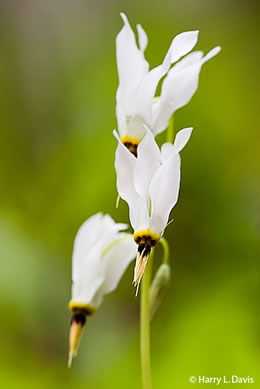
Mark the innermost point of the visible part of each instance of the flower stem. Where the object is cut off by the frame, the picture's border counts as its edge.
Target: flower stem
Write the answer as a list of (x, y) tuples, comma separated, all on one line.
[(145, 326), (170, 131), (145, 300), (165, 246)]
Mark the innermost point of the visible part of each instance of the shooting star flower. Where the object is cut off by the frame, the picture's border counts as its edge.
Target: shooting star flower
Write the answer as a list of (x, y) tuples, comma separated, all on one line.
[(149, 183), (136, 104), (101, 255)]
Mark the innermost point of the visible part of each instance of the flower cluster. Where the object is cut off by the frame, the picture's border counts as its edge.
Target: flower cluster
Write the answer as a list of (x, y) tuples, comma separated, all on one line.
[(136, 103), (148, 177)]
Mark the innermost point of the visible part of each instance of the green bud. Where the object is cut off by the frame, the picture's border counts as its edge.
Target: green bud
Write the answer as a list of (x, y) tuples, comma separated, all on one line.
[(158, 287)]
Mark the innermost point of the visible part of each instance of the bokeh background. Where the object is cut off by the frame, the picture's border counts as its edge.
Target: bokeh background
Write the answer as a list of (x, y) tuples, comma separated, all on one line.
[(58, 80)]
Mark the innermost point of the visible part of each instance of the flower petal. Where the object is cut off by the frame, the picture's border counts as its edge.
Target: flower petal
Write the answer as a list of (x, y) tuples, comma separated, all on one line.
[(121, 121), (89, 275), (116, 261), (166, 151), (148, 160), (136, 126), (177, 89), (189, 60), (143, 102), (164, 191), (131, 64), (98, 228), (142, 38), (88, 269), (182, 138), (85, 240), (212, 53), (139, 214), (125, 164), (182, 44)]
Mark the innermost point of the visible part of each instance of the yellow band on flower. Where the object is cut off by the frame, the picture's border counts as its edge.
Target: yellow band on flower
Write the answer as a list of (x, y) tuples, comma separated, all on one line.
[(146, 236), (81, 307), (130, 139), (131, 143)]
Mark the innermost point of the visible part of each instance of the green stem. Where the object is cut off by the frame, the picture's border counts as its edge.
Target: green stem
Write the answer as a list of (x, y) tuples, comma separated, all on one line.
[(145, 326), (170, 131), (145, 299), (165, 246)]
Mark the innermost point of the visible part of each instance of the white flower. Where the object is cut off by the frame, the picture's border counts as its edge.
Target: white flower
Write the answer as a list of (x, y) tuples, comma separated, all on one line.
[(135, 102), (150, 185), (101, 255)]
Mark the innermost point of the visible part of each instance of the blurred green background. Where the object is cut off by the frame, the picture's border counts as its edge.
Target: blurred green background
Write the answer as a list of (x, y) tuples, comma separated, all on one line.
[(58, 80)]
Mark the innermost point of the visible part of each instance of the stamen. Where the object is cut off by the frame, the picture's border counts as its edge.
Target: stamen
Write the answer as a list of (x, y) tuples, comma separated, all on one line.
[(137, 289), (141, 261), (145, 239), (77, 324)]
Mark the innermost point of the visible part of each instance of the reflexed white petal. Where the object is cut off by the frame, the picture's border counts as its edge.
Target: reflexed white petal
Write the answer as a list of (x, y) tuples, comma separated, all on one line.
[(125, 163), (177, 89), (95, 233), (90, 275), (116, 261), (166, 150), (139, 214), (143, 99), (121, 121), (108, 228), (143, 103), (142, 38), (212, 53), (131, 64), (120, 226), (182, 138), (164, 190), (189, 60), (182, 44), (159, 123), (148, 160), (136, 127), (85, 239), (89, 271)]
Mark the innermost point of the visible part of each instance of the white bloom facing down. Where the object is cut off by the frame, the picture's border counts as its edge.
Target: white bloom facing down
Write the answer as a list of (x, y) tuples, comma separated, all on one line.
[(135, 103), (150, 183), (101, 255)]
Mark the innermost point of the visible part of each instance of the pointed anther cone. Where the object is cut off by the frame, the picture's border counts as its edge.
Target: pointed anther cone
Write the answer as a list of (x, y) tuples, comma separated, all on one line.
[(77, 325), (141, 261)]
